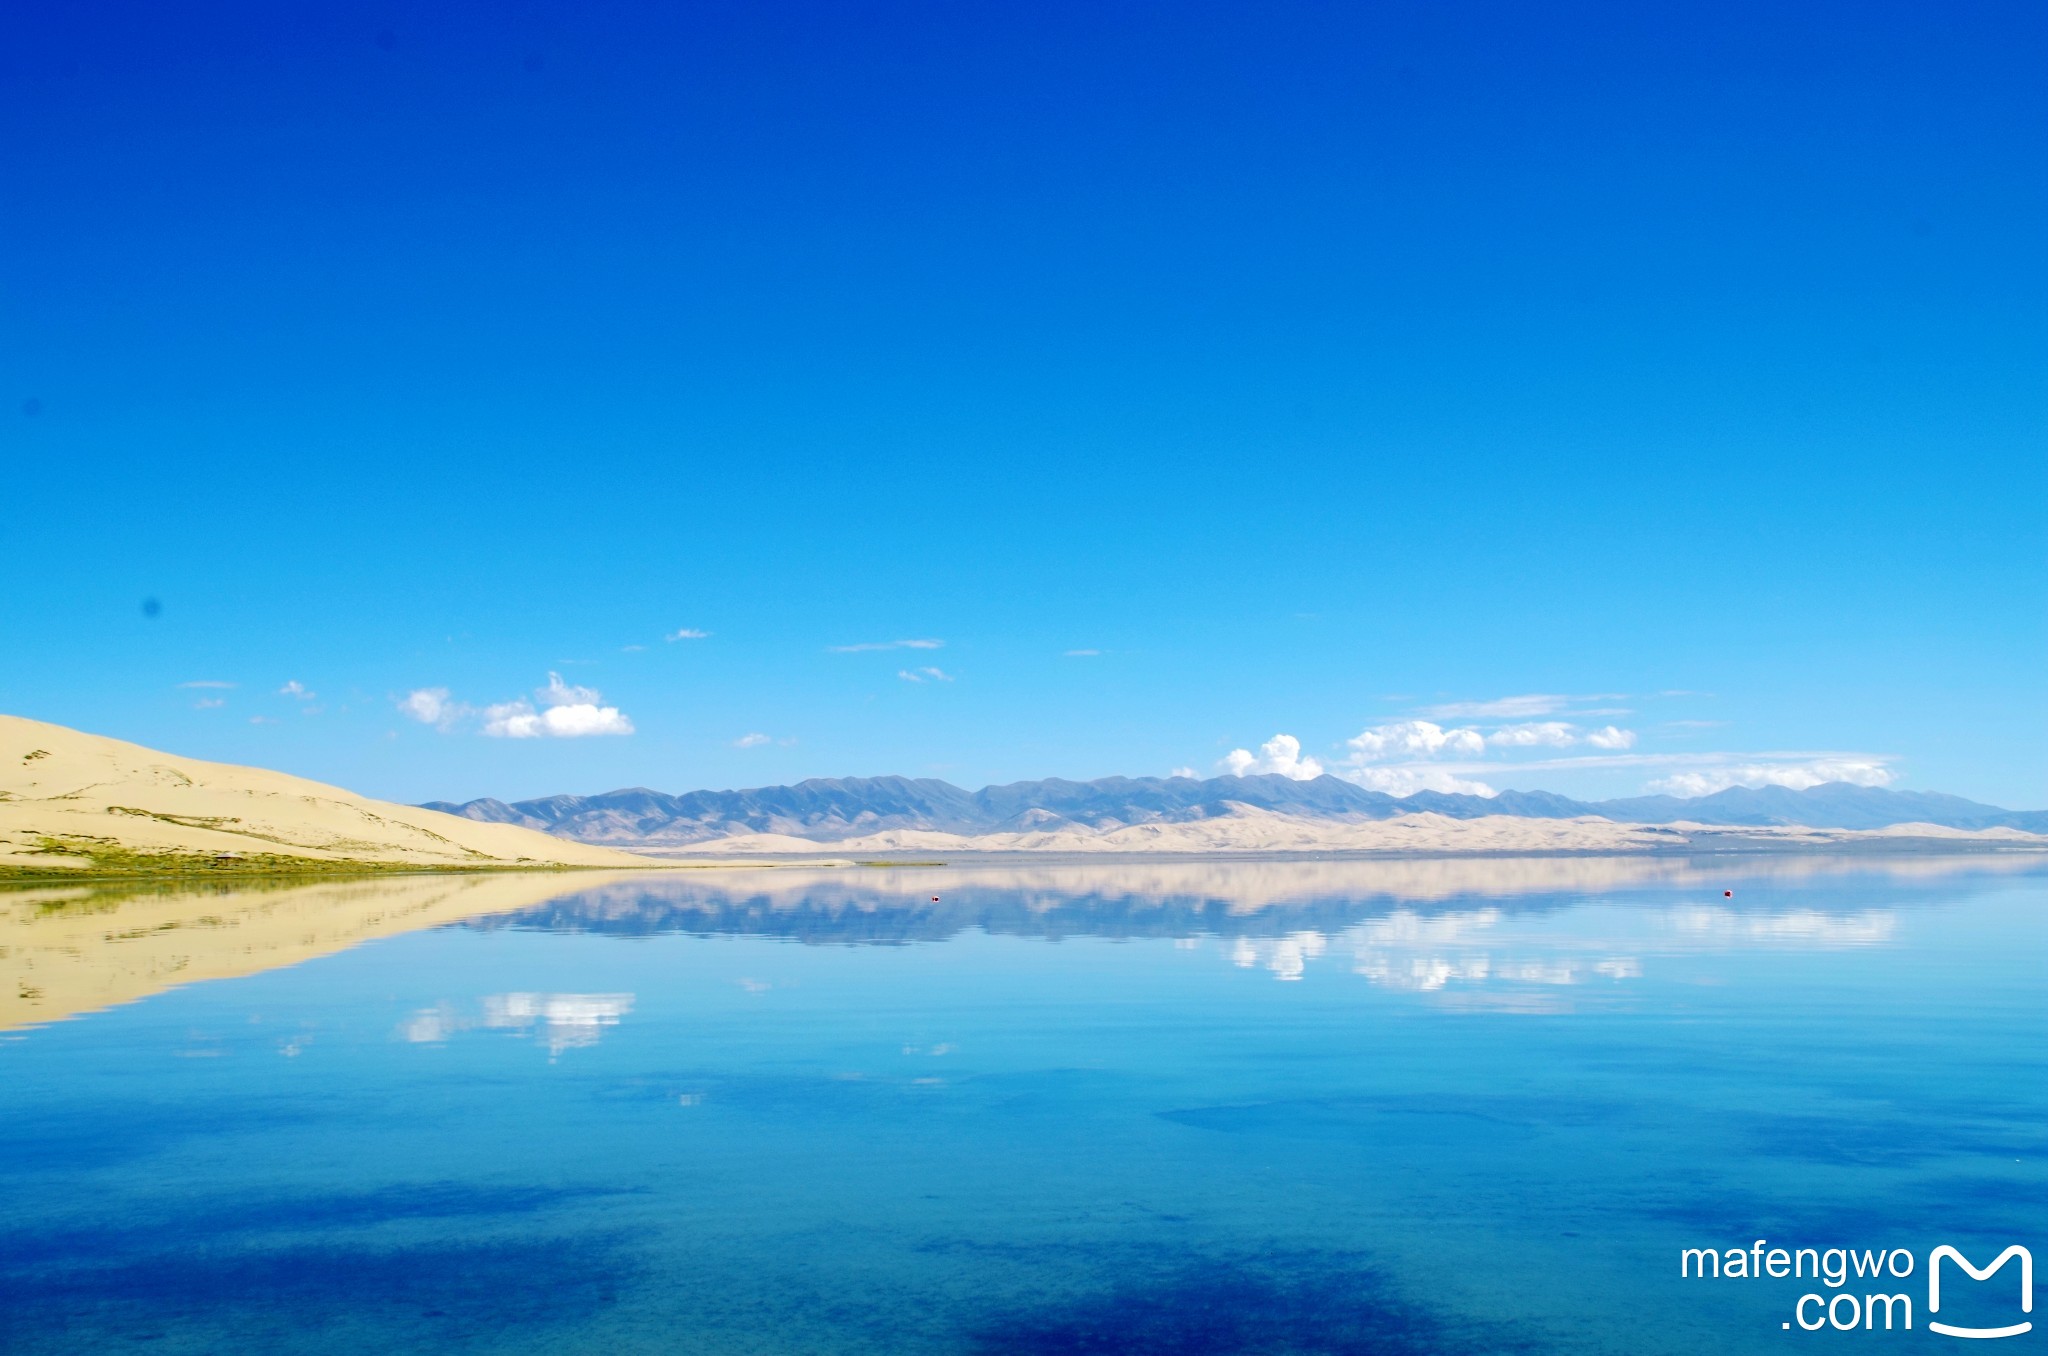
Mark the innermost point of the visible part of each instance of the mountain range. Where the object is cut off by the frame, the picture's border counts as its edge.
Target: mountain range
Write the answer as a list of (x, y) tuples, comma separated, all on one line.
[(825, 810)]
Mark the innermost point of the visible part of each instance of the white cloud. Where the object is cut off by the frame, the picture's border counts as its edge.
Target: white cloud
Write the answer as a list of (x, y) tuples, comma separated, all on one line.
[(431, 706), (518, 720), (512, 720), (1414, 739), (1504, 708), (209, 703), (1281, 754), (1187, 772), (1559, 734), (1556, 734), (688, 633), (887, 645), (1406, 756), (207, 682), (1424, 739), (631, 649), (1528, 706), (1082, 654), (566, 711), (1710, 764), (1405, 779), (751, 741), (580, 719), (297, 690), (559, 693), (1797, 776), (924, 674)]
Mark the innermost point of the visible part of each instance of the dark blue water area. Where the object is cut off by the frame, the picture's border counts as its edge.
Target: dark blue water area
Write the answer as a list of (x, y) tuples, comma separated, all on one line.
[(1240, 1108)]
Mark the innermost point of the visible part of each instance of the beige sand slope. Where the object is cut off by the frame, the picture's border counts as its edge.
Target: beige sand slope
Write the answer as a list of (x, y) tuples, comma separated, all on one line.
[(105, 800), (71, 948)]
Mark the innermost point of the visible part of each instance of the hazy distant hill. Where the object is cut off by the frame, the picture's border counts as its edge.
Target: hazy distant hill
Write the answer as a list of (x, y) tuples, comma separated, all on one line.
[(827, 809), (1837, 805)]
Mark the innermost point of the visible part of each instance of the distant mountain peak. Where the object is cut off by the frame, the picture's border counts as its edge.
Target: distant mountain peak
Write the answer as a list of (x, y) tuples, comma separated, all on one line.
[(825, 809)]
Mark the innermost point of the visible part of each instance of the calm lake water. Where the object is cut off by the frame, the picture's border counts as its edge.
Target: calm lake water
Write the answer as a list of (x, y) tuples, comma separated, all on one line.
[(1256, 1107)]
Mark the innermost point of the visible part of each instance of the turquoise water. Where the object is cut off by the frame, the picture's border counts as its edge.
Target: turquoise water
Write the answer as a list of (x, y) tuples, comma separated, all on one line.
[(1233, 1108)]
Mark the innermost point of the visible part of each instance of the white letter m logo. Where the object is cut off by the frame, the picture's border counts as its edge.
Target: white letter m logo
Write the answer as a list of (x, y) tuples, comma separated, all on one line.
[(1980, 1274)]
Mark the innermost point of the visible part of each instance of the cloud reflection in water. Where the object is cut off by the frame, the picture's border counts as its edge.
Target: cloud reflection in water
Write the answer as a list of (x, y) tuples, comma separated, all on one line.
[(566, 1021), (1424, 953)]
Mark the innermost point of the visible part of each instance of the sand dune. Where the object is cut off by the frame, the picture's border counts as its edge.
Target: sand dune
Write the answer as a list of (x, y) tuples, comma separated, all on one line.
[(1250, 829), (101, 802)]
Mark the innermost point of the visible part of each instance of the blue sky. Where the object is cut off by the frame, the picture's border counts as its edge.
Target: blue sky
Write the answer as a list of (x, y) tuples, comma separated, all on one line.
[(1186, 375)]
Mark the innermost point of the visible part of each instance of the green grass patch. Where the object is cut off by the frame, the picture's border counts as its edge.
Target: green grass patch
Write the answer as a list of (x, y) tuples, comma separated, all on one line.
[(106, 860)]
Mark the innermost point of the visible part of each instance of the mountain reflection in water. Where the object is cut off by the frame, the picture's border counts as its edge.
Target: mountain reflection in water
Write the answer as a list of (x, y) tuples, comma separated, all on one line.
[(1426, 924), (894, 906), (1233, 1106), (1508, 935)]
